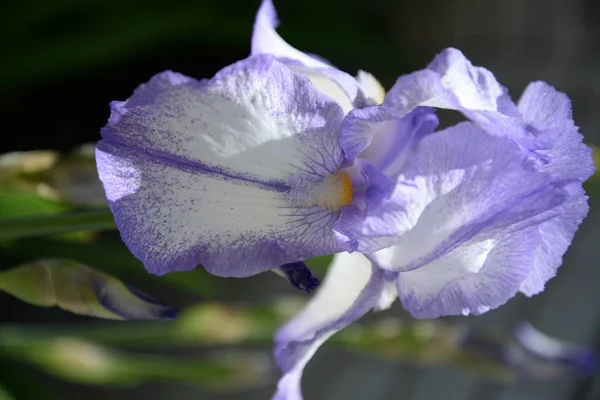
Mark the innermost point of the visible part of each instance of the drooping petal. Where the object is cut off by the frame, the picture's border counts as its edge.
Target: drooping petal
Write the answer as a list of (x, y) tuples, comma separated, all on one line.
[(449, 197), (556, 237), (480, 274), (569, 159), (336, 84), (200, 172), (469, 197), (351, 288)]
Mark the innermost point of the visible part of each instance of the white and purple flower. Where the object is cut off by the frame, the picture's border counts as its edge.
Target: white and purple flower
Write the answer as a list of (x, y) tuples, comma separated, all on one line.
[(281, 157), (241, 173)]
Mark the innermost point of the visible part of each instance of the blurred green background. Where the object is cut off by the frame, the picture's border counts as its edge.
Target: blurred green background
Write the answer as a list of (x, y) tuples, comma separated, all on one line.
[(62, 62)]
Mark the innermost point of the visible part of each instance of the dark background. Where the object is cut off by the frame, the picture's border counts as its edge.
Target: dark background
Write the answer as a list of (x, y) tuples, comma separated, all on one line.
[(62, 61)]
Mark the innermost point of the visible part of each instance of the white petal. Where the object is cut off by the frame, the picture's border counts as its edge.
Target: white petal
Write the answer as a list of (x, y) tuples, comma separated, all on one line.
[(334, 83), (448, 197), (351, 288), (266, 40), (475, 88), (175, 218), (201, 172), (371, 85), (475, 277), (325, 84), (254, 119)]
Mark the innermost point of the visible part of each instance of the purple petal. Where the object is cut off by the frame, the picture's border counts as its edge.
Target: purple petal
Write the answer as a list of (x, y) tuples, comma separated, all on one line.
[(467, 86), (361, 125), (449, 82), (369, 221), (200, 172), (351, 288), (448, 194), (390, 150), (473, 278), (469, 197), (370, 186), (556, 237), (392, 145), (549, 112)]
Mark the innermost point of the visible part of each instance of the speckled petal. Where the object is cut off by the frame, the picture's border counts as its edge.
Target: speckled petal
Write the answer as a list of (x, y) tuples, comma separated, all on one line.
[(200, 172)]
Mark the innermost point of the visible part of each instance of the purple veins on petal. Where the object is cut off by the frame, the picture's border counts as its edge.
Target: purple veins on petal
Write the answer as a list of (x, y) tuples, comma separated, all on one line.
[(196, 172), (240, 173)]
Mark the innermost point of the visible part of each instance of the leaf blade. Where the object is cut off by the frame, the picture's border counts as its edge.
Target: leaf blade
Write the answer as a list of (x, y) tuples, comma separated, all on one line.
[(81, 290)]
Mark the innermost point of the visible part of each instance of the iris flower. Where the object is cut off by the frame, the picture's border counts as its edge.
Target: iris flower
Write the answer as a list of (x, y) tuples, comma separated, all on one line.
[(281, 157), (241, 173), (479, 211)]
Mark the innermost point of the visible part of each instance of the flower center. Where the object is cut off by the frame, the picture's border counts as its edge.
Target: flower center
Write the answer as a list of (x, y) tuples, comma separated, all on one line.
[(335, 191)]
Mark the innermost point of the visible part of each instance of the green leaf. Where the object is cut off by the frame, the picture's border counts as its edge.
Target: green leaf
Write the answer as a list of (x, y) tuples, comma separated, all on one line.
[(81, 290), (38, 225), (14, 204), (122, 263)]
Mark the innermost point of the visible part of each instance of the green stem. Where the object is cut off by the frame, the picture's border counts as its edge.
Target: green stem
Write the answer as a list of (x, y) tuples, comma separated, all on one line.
[(168, 369), (118, 333), (15, 228)]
